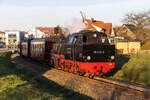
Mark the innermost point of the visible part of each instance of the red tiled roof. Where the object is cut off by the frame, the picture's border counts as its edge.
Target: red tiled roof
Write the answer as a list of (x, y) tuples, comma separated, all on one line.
[(101, 24), (2, 32), (46, 30), (108, 28), (26, 32)]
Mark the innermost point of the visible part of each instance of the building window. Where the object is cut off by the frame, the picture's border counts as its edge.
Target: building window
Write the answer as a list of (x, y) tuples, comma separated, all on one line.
[(14, 40), (12, 36)]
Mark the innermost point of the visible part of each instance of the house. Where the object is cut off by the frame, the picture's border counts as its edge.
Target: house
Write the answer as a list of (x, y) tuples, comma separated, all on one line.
[(27, 35), (127, 32), (41, 32), (13, 37), (128, 47), (2, 36), (99, 26)]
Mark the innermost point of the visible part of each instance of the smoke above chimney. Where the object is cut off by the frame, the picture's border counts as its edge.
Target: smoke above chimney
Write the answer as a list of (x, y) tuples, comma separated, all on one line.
[(76, 26)]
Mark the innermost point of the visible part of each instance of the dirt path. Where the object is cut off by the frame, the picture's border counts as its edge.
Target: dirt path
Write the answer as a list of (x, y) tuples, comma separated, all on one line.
[(85, 86)]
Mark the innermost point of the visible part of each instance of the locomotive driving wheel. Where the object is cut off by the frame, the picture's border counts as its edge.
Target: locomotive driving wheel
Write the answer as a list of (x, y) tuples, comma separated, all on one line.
[(90, 75), (73, 69), (81, 73), (69, 66), (101, 74), (57, 63), (63, 66)]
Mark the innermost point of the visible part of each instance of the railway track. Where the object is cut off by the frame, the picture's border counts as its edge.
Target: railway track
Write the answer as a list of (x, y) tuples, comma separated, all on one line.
[(130, 87), (124, 86)]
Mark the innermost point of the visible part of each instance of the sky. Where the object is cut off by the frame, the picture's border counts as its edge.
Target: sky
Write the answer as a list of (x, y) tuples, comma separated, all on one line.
[(26, 14)]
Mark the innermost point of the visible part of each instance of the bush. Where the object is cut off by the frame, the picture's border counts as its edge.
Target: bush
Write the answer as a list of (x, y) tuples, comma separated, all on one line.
[(137, 70)]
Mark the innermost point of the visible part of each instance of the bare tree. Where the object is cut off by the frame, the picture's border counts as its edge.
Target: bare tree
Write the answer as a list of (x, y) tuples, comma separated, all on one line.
[(140, 20)]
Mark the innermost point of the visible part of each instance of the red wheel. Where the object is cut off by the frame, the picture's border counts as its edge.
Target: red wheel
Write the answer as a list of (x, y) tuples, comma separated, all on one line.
[(90, 75)]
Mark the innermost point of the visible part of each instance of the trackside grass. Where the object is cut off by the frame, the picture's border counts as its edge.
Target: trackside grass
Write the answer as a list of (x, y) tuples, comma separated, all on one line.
[(23, 84), (134, 69)]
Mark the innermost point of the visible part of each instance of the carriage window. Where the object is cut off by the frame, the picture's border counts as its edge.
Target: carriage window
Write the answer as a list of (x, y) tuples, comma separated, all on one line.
[(36, 47), (33, 46), (40, 46)]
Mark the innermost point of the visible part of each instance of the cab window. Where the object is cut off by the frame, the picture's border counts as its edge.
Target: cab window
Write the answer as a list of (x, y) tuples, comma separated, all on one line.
[(84, 39), (75, 40), (70, 39)]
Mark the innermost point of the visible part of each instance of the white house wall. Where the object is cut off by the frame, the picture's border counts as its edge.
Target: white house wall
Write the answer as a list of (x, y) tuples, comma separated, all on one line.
[(40, 34), (3, 37), (32, 32), (18, 34)]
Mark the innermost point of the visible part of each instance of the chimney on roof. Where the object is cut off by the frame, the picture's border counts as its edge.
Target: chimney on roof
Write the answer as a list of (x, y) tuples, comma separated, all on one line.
[(92, 20)]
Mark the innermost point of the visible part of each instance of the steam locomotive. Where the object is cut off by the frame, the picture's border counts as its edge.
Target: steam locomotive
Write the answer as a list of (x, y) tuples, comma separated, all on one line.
[(85, 52)]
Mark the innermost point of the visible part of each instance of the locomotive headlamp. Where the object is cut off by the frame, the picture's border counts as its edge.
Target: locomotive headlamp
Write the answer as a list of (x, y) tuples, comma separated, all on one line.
[(112, 57), (88, 57), (95, 35)]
